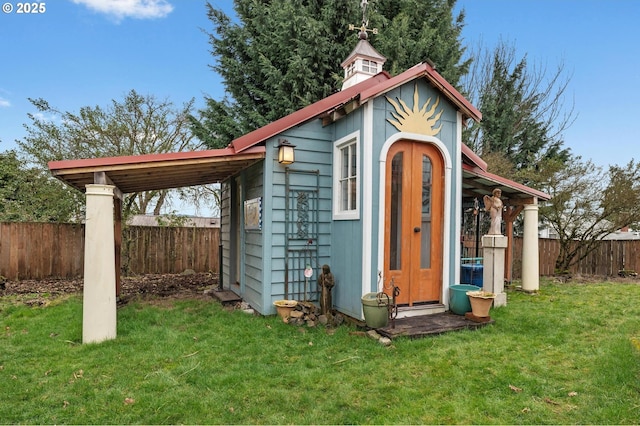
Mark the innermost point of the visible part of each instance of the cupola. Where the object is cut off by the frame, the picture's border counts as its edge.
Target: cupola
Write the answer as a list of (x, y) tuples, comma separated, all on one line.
[(364, 61)]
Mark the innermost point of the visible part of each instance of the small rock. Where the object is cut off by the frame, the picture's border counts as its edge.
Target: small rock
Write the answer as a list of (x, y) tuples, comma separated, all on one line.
[(296, 321), (385, 341), (338, 320), (373, 334), (322, 319), (188, 272), (296, 314), (249, 311)]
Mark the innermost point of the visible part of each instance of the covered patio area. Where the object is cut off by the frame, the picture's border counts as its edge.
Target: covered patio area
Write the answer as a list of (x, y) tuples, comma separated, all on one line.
[(105, 181)]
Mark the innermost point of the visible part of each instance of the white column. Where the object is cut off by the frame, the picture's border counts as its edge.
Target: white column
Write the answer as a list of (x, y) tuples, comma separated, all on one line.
[(493, 248), (530, 264), (99, 293)]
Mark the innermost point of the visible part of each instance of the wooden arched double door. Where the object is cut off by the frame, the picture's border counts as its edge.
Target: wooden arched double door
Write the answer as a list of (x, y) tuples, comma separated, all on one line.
[(414, 208)]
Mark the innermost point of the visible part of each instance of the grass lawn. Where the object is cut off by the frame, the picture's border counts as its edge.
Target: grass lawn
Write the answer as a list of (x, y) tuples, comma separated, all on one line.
[(569, 355)]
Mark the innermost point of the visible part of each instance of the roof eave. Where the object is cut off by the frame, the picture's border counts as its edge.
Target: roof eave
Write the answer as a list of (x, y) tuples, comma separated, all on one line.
[(507, 182), (424, 69), (307, 113)]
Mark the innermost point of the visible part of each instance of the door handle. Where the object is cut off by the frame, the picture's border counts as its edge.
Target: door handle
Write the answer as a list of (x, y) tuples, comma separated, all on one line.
[(416, 229)]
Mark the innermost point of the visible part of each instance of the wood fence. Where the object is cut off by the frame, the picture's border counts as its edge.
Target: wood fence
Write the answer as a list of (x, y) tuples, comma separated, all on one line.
[(610, 257), (52, 250)]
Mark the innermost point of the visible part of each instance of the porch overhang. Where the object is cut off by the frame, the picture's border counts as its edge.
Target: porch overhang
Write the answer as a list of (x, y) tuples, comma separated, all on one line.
[(477, 183), (138, 173)]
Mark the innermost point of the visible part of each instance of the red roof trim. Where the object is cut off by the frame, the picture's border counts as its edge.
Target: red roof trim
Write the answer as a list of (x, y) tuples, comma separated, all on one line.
[(149, 158), (504, 181), (474, 158), (311, 111), (435, 78), (374, 86)]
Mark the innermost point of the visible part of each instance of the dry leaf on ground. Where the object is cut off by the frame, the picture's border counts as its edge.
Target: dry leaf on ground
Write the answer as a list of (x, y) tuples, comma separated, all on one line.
[(515, 388)]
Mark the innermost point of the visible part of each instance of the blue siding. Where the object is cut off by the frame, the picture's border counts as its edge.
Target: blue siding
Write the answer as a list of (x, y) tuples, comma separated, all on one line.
[(251, 264), (313, 151), (346, 240), (339, 243), (225, 230)]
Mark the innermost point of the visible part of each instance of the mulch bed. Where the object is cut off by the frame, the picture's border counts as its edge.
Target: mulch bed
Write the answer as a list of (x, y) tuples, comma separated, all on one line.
[(137, 287)]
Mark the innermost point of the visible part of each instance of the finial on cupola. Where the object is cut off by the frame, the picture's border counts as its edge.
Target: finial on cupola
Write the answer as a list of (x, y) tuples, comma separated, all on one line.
[(362, 34), (364, 61)]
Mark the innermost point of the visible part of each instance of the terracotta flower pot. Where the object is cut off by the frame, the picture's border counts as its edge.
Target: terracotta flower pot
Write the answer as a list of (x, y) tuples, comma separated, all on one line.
[(481, 302), (284, 308)]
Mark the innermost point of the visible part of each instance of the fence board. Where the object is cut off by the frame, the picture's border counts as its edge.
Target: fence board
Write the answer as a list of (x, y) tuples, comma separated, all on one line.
[(52, 250)]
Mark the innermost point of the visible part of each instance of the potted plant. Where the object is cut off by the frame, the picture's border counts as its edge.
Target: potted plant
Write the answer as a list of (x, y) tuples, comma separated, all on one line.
[(481, 302)]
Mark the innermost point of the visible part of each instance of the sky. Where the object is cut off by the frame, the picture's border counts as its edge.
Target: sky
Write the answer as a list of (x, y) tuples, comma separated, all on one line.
[(79, 53)]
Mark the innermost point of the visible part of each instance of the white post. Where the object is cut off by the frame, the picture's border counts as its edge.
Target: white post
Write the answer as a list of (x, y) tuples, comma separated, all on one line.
[(530, 255), (493, 248), (99, 293)]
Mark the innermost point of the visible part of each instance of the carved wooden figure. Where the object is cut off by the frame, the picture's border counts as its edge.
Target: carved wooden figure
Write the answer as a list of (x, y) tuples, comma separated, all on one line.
[(326, 283)]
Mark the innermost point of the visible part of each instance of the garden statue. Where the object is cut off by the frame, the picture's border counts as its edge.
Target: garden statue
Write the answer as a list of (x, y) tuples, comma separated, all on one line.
[(326, 283), (494, 206)]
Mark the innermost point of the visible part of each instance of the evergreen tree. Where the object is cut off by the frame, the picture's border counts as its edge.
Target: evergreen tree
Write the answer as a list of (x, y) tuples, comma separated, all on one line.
[(281, 55), (413, 31), (522, 112)]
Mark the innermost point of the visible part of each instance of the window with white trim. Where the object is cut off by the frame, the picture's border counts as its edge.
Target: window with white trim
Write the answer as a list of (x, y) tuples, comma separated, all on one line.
[(346, 178), (369, 66), (351, 68)]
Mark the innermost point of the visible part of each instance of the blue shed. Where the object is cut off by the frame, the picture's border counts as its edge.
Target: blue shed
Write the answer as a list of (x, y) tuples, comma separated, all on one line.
[(376, 191)]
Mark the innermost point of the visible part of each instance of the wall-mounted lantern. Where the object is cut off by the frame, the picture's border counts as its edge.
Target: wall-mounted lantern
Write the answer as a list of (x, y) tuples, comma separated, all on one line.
[(286, 154)]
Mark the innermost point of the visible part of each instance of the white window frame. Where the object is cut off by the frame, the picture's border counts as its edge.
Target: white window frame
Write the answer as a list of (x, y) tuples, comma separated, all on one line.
[(369, 66), (352, 139)]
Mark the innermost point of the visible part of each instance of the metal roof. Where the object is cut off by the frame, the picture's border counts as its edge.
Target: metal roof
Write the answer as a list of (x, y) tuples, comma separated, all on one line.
[(477, 182), (375, 86), (174, 170), (138, 173), (364, 48)]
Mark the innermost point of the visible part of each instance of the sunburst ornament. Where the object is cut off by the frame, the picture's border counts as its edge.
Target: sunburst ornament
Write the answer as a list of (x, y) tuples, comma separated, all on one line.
[(416, 120)]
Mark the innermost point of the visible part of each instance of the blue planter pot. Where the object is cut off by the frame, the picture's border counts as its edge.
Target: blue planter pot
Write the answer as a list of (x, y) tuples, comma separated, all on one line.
[(458, 300)]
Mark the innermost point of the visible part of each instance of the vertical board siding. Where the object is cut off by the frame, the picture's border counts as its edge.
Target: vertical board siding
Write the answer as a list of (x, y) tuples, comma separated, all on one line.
[(170, 250), (610, 257), (54, 250), (51, 250), (41, 250)]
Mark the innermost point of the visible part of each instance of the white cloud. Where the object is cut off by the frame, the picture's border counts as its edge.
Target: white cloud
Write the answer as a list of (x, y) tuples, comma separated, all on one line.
[(4, 103), (120, 9), (43, 117)]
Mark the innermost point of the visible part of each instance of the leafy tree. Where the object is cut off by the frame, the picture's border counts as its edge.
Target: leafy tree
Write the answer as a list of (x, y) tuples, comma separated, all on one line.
[(29, 194), (281, 55), (523, 113), (136, 125), (588, 204)]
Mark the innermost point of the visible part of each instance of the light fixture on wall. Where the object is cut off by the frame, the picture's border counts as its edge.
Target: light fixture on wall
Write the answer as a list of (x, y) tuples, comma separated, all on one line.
[(286, 154)]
